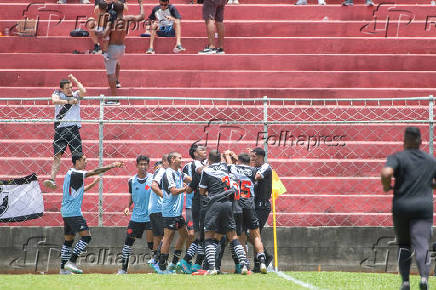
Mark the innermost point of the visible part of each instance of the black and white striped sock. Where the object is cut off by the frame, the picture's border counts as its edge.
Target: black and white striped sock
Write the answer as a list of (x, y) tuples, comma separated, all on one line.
[(125, 253), (79, 248), (211, 245), (239, 251), (66, 252), (190, 253)]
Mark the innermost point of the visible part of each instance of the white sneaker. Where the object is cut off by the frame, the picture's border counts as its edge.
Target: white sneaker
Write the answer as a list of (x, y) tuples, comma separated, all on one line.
[(73, 268), (235, 2), (230, 2), (244, 270), (85, 2), (64, 272), (321, 2), (263, 268), (121, 272), (151, 261), (301, 2), (212, 272)]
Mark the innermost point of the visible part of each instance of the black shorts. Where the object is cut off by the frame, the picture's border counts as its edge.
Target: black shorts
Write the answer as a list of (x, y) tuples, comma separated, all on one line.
[(157, 225), (219, 218), (262, 214), (75, 224), (136, 229), (174, 223), (189, 220), (67, 136), (148, 226), (247, 220)]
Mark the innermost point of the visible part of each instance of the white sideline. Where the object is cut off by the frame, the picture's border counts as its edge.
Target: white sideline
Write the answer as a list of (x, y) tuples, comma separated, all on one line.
[(296, 281)]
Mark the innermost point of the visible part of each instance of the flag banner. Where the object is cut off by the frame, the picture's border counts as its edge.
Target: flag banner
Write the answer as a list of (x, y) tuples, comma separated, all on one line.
[(277, 186), (20, 199)]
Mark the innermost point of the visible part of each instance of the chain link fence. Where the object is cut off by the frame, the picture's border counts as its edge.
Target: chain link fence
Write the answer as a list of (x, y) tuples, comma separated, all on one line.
[(328, 153)]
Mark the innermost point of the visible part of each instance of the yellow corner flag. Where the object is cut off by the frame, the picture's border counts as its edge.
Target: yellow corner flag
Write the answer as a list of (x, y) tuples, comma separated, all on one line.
[(277, 186), (277, 189)]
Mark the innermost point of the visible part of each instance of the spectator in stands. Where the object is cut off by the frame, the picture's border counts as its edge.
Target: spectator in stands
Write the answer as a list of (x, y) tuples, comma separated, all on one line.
[(213, 15), (412, 206), (166, 22), (67, 107), (350, 3), (117, 30), (234, 2), (304, 2)]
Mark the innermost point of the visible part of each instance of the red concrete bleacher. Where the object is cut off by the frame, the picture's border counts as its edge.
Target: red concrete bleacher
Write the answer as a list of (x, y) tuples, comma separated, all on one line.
[(272, 48)]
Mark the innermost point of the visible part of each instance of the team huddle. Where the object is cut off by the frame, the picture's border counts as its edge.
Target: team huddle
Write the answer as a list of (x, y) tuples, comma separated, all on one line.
[(226, 199)]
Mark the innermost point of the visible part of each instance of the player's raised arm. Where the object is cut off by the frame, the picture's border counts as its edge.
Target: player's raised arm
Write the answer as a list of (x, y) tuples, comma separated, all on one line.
[(101, 170)]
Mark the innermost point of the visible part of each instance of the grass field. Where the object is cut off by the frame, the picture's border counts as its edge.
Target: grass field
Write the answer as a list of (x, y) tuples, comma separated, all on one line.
[(320, 280)]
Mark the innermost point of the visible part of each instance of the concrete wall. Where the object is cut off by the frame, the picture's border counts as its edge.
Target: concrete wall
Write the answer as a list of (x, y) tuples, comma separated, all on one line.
[(37, 249)]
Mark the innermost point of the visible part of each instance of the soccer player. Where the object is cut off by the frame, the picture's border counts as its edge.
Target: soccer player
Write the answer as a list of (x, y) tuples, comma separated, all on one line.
[(412, 207), (139, 189), (173, 188), (215, 183), (247, 219), (71, 211), (262, 192), (193, 169), (156, 208)]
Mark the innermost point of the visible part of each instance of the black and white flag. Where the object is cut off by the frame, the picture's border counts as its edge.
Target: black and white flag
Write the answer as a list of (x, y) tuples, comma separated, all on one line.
[(20, 199)]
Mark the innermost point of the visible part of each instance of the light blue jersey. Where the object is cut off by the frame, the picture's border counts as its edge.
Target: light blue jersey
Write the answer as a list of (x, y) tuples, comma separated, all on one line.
[(73, 189), (140, 189), (155, 205), (172, 205)]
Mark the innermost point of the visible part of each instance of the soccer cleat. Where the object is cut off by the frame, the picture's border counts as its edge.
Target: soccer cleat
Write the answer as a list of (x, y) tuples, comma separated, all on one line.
[(64, 272), (348, 3), (219, 51), (184, 267), (150, 51), (121, 272), (151, 261), (171, 267), (155, 267), (405, 285), (178, 49), (200, 272), (117, 84), (263, 269), (195, 268), (207, 50), (423, 284), (73, 268), (244, 270), (50, 183)]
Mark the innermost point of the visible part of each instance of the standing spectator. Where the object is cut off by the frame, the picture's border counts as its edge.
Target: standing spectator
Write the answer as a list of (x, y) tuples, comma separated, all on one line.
[(117, 29), (166, 22), (213, 15), (412, 207), (350, 3), (67, 107)]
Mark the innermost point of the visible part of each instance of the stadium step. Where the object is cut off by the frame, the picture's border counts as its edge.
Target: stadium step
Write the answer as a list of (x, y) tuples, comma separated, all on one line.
[(44, 11), (240, 92), (298, 62), (262, 28), (242, 2), (233, 45)]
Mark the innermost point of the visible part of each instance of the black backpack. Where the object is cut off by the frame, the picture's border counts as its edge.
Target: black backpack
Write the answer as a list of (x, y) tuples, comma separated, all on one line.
[(79, 33)]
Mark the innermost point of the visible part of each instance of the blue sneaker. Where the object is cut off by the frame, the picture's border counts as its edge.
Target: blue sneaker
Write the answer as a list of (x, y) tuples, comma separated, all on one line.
[(195, 268), (155, 267), (184, 267)]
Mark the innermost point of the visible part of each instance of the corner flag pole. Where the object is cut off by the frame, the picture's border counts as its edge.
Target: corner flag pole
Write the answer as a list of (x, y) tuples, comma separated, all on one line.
[(276, 262)]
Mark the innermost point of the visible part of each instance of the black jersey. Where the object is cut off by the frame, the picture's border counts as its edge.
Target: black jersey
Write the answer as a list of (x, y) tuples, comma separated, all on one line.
[(190, 169), (263, 187), (245, 177), (414, 171), (215, 178)]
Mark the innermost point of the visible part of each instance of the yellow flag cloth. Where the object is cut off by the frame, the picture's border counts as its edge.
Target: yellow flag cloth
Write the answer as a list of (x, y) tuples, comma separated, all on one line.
[(277, 186)]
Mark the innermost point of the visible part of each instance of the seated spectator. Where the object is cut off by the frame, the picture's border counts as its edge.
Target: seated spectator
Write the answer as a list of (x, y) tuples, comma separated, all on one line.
[(234, 2), (304, 2), (166, 22), (350, 3)]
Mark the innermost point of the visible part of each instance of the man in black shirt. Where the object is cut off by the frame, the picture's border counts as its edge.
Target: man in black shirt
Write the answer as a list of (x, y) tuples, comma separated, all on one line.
[(215, 183), (412, 207)]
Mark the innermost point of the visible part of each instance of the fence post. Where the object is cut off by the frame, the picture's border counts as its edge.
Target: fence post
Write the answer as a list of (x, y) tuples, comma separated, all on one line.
[(100, 161), (430, 129), (265, 125)]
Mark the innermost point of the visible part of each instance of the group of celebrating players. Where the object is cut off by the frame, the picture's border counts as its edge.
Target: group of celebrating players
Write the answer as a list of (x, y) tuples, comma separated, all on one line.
[(227, 202)]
